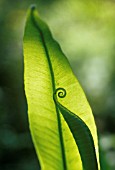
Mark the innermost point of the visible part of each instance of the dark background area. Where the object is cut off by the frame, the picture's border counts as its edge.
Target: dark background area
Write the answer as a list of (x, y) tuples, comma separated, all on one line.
[(86, 32)]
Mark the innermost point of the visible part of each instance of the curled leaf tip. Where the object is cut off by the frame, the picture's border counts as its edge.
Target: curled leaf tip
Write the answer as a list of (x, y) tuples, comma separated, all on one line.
[(59, 92)]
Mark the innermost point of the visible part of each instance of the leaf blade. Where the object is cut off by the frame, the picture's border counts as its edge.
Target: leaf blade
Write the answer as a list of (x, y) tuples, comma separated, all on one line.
[(43, 75), (80, 132)]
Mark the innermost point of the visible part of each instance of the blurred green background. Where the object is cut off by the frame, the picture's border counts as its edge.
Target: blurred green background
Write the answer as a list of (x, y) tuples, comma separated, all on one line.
[(85, 29)]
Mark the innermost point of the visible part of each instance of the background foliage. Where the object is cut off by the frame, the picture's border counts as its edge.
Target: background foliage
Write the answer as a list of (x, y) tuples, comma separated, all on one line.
[(86, 31)]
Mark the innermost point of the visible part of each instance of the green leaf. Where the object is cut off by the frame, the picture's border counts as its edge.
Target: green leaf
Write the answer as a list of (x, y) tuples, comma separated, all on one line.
[(81, 133), (45, 70)]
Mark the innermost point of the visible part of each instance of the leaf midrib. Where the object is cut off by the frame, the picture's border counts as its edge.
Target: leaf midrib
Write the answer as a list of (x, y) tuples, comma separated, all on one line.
[(54, 88)]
